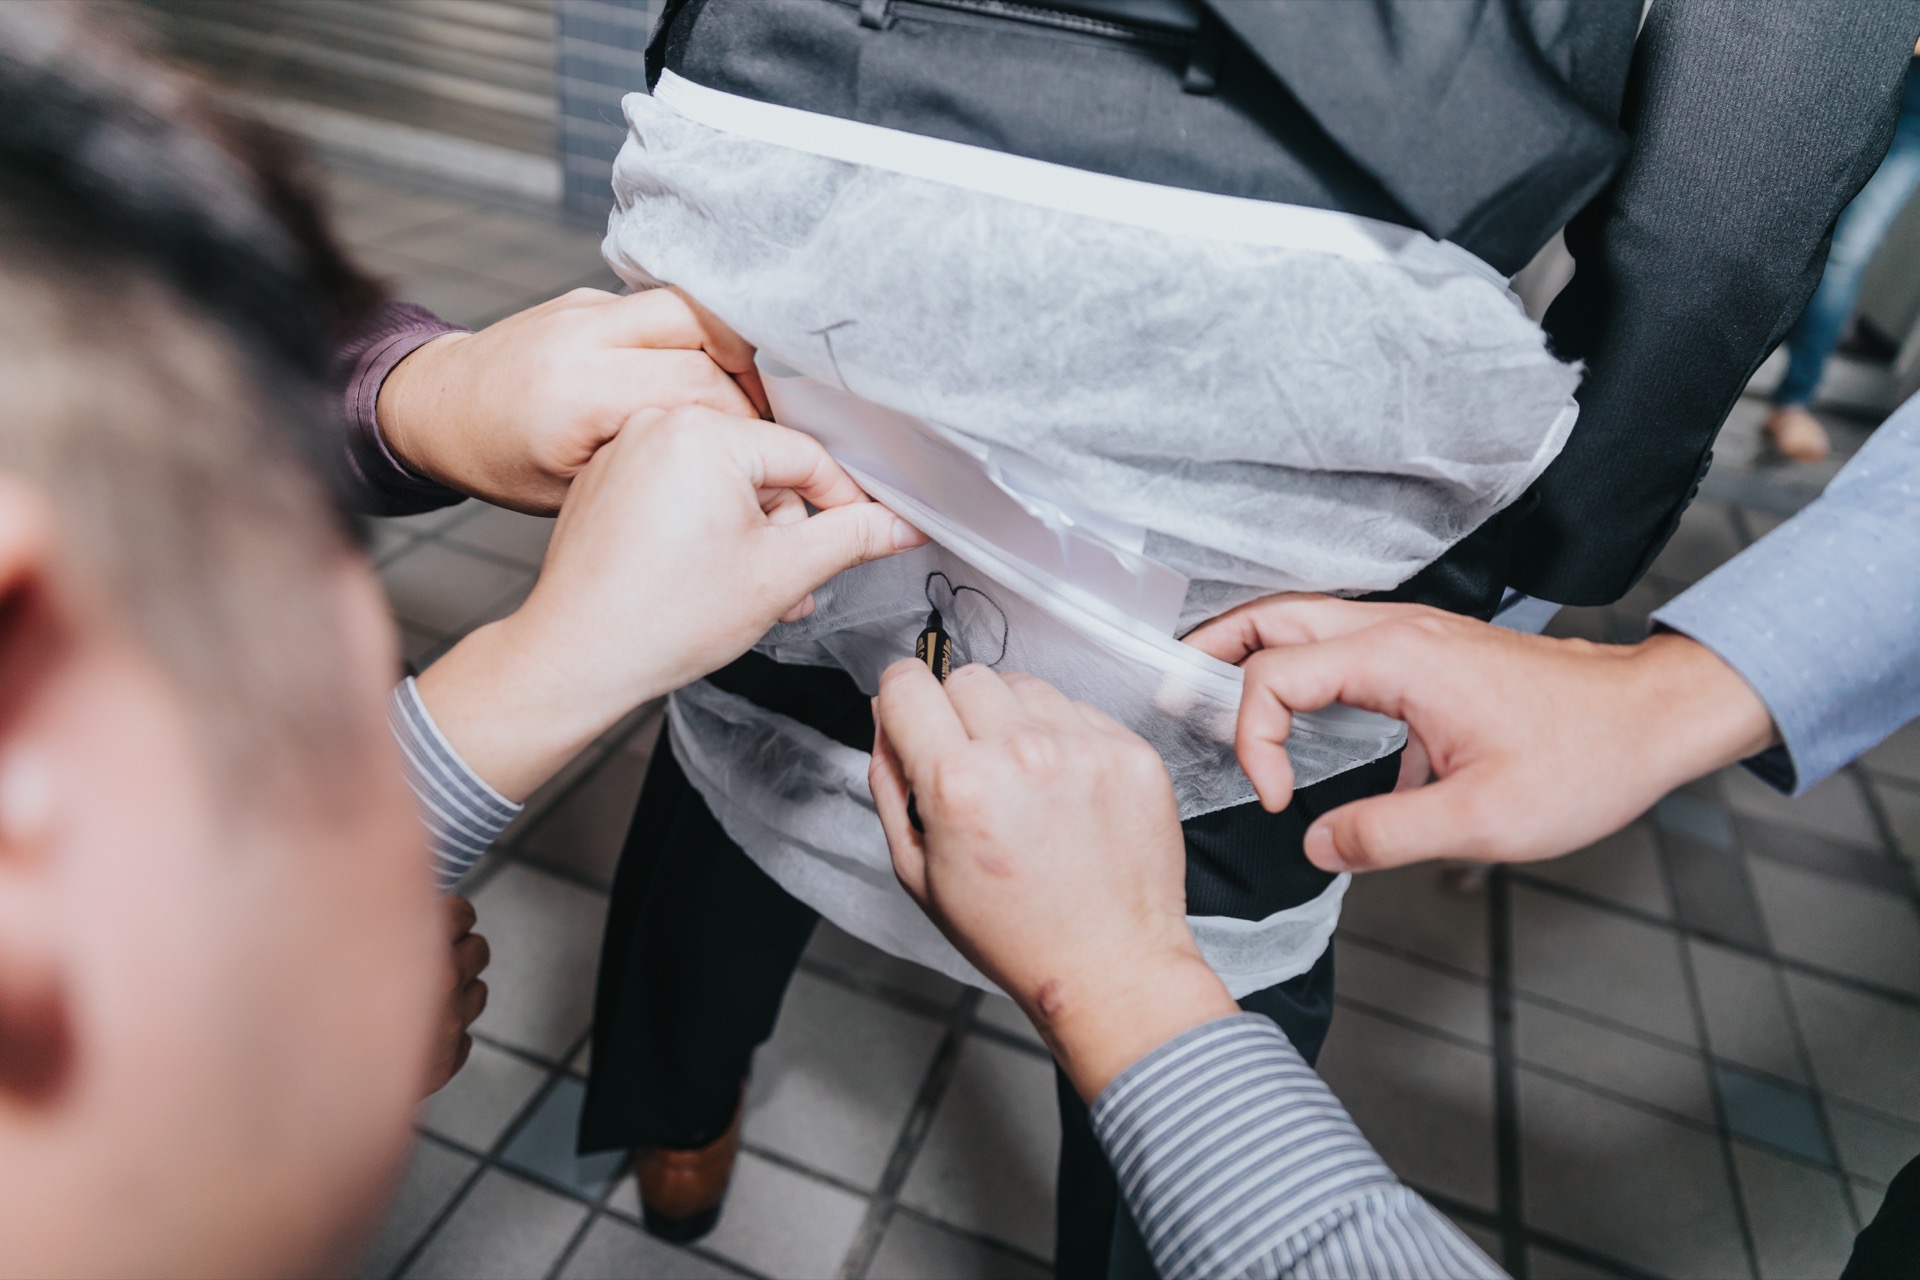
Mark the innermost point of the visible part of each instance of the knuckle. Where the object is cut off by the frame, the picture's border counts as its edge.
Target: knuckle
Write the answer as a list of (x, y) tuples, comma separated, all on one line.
[(955, 785), (1034, 752)]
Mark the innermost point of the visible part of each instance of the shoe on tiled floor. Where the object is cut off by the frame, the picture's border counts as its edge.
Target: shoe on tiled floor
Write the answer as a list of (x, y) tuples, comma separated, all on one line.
[(1797, 435), (681, 1190)]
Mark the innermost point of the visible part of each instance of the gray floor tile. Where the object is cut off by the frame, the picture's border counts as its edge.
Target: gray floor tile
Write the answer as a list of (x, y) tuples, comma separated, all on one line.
[(546, 941), (1901, 804), (837, 949), (1425, 1104), (518, 250), (1549, 1264), (1712, 894), (420, 647), (1863, 1048), (781, 1223), (505, 1228), (1627, 1183), (996, 1010), (1411, 910), (454, 296), (1695, 817), (433, 1178), (1897, 757), (1802, 1223), (1866, 1198), (436, 521), (1832, 807), (583, 1060), (544, 1145), (1871, 867), (1623, 1064), (1870, 1146), (1484, 1238), (987, 1165), (441, 589), (1600, 962), (1705, 540), (914, 1249), (476, 1106), (1777, 1115), (1623, 868), (1745, 1009), (612, 1250), (585, 831), (365, 210), (832, 1089), (505, 533), (1840, 926), (1411, 991)]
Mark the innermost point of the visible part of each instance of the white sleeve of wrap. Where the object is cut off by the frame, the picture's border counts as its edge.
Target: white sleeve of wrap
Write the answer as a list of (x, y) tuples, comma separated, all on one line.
[(464, 815), (1237, 1160)]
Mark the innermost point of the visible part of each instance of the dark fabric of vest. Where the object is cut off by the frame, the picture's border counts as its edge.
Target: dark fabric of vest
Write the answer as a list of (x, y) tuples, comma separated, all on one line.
[(1473, 120)]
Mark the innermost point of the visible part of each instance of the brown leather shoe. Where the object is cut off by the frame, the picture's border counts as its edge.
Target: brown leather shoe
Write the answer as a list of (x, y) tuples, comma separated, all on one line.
[(680, 1190), (1797, 435)]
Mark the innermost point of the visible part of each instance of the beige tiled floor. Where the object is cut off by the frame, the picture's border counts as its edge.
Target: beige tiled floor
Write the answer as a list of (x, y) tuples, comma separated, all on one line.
[(1546, 1052)]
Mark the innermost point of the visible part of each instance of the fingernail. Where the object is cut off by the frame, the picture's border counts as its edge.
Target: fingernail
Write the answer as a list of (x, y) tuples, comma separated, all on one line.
[(905, 535), (1319, 848)]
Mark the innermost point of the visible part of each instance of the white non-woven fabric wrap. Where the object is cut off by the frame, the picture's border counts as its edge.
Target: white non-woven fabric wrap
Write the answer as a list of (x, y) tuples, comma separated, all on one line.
[(1268, 398)]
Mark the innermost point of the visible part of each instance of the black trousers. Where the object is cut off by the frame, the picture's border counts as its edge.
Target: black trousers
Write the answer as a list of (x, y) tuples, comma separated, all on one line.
[(701, 944)]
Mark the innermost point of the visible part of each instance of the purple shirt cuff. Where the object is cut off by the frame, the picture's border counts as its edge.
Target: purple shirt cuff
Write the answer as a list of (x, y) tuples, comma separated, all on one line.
[(387, 487)]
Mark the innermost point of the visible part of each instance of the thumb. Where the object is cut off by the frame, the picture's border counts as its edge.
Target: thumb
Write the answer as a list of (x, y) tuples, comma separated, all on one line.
[(823, 544), (1453, 818)]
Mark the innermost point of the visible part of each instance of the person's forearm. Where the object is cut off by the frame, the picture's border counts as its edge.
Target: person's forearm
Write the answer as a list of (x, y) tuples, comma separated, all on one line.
[(1822, 616), (1236, 1159), (508, 706)]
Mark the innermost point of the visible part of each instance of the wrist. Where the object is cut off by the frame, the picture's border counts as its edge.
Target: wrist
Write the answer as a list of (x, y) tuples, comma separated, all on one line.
[(1098, 1026), (1708, 716), (508, 705), (411, 397)]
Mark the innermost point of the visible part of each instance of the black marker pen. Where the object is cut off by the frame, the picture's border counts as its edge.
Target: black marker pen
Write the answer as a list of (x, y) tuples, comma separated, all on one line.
[(935, 648)]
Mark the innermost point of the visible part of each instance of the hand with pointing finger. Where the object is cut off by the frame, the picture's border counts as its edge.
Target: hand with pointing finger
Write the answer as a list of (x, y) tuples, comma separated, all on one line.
[(1538, 746), (1052, 857)]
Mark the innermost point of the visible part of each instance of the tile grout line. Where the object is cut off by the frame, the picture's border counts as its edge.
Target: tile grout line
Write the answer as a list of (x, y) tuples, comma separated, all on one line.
[(1869, 792), (1696, 1006), (933, 1086), (488, 1160), (1858, 985), (1506, 1095)]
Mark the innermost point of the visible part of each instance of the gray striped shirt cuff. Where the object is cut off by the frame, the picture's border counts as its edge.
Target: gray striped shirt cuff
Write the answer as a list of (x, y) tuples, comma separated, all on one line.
[(464, 815), (1237, 1160)]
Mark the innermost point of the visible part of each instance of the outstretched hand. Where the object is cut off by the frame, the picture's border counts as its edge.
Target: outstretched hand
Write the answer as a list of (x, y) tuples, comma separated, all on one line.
[(1538, 746)]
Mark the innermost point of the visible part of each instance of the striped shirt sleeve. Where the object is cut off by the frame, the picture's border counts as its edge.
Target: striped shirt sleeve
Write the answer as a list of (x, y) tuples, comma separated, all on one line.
[(464, 815), (1237, 1160)]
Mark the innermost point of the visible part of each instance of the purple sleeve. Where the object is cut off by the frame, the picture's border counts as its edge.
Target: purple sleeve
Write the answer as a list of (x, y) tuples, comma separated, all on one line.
[(389, 336)]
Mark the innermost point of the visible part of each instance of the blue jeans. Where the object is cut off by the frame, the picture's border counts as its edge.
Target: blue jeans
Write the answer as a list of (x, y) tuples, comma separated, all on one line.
[(1857, 233)]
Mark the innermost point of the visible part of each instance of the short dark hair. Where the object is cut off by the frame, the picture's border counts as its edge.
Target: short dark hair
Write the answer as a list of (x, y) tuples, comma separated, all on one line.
[(169, 299)]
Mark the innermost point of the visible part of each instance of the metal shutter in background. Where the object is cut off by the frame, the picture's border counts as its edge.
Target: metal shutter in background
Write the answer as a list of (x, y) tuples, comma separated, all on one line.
[(475, 69)]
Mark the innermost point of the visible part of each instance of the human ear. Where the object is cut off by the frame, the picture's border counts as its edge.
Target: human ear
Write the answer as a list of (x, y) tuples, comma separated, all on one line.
[(36, 1041)]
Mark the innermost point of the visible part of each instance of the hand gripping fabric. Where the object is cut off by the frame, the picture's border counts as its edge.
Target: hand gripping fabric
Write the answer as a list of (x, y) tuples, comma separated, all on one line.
[(1117, 409)]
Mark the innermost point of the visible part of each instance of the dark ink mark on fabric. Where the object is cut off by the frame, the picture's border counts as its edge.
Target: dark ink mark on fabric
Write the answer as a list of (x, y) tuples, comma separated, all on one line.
[(978, 624), (826, 338)]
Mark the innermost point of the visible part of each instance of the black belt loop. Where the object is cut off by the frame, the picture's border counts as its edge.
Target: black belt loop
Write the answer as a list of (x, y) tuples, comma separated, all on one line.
[(1203, 64), (876, 15)]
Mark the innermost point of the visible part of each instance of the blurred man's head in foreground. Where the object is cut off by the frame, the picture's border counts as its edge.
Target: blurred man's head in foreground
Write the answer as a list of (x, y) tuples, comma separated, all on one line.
[(217, 947)]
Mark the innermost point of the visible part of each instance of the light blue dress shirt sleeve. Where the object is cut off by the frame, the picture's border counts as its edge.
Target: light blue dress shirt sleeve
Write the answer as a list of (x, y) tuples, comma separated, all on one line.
[(1822, 616)]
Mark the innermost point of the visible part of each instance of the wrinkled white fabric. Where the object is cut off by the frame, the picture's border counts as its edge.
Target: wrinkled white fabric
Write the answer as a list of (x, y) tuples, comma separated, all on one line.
[(1277, 419), (1178, 385), (798, 802)]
